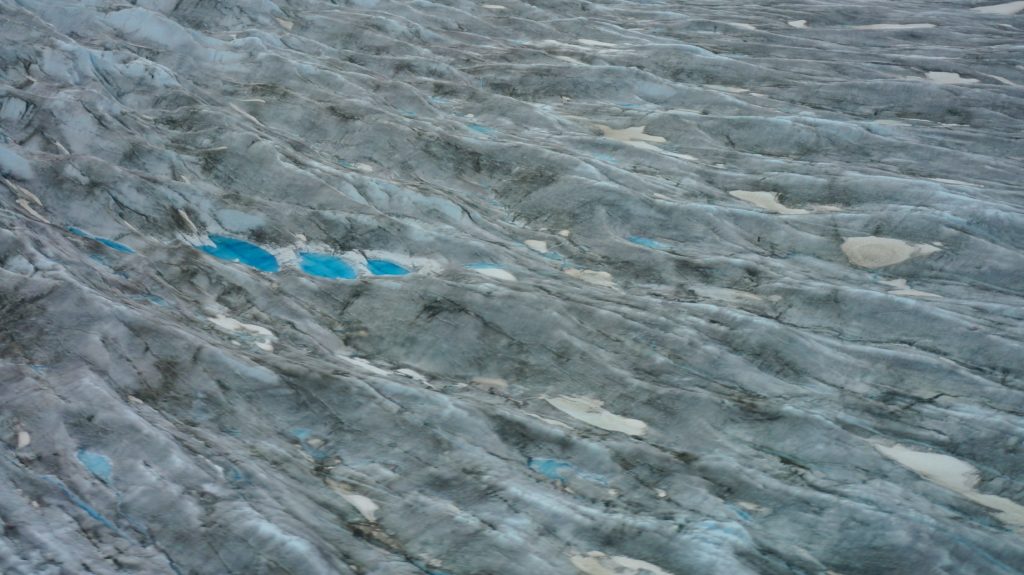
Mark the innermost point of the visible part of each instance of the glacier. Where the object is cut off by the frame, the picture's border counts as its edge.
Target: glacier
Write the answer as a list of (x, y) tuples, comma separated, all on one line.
[(528, 287)]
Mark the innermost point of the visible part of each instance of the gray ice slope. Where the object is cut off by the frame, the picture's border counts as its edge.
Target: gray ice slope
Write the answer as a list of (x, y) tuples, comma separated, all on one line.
[(741, 388)]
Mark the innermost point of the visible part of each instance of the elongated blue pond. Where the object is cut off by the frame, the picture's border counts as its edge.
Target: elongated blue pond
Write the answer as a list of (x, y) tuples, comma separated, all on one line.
[(385, 268), (107, 242), (236, 250), (326, 266), (647, 242)]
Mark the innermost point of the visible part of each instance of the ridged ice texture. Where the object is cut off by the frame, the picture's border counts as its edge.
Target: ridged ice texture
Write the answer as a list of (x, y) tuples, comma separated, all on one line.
[(712, 288)]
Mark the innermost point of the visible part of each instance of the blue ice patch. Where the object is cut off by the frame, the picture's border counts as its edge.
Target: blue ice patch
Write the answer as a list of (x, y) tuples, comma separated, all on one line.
[(107, 242), (80, 503), (554, 469), (480, 129), (304, 435), (96, 463), (151, 298), (647, 242), (741, 513), (385, 268), (236, 476), (326, 266), (720, 532), (115, 245), (235, 250)]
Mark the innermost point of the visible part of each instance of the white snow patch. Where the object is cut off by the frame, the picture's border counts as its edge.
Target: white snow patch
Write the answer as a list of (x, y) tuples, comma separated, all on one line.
[(496, 384), (766, 200), (877, 252), (630, 135), (260, 336), (898, 283), (569, 60), (597, 563), (537, 245), (798, 23), (954, 475), (590, 276), (598, 43), (914, 293), (750, 506), (30, 210), (1008, 9), (1002, 80), (726, 294), (187, 220), (954, 182), (412, 374), (949, 78), (920, 26), (590, 411), (363, 504), (365, 364), (496, 273)]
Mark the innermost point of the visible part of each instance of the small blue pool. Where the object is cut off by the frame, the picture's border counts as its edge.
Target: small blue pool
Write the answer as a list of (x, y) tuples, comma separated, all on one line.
[(647, 242), (97, 463), (326, 266), (235, 250), (385, 268), (554, 469)]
